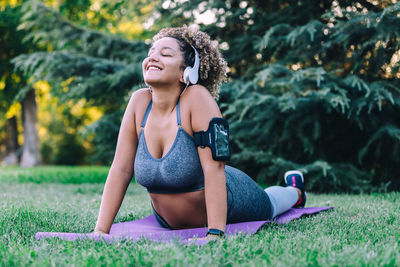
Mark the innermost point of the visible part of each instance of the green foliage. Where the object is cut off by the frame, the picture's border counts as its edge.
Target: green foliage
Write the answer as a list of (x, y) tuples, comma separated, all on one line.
[(69, 151), (315, 86), (105, 132), (47, 26), (89, 64), (323, 97), (11, 45), (77, 76)]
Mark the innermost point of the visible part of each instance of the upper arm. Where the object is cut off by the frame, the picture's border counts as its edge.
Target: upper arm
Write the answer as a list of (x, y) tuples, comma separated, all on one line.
[(202, 109), (127, 138)]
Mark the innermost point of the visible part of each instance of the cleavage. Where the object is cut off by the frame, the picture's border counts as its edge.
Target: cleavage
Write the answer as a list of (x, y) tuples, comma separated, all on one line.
[(160, 135)]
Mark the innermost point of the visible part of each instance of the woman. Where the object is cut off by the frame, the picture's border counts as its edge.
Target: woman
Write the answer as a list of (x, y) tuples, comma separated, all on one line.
[(189, 186)]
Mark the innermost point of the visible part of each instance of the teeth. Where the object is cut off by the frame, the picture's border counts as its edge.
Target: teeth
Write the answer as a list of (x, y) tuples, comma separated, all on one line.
[(153, 68)]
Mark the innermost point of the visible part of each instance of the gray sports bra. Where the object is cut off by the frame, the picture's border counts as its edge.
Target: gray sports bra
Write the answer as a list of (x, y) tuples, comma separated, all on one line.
[(177, 172)]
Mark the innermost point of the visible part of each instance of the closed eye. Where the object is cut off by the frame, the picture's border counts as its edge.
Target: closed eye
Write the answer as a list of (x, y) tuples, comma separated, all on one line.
[(162, 52)]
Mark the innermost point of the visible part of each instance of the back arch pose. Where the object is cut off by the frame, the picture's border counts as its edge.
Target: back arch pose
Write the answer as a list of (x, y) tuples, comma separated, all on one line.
[(174, 141)]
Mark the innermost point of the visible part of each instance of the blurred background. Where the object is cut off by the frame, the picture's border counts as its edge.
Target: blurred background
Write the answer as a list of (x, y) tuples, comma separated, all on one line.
[(313, 85)]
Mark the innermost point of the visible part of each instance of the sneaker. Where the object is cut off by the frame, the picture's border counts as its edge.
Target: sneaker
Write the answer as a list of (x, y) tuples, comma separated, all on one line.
[(295, 178)]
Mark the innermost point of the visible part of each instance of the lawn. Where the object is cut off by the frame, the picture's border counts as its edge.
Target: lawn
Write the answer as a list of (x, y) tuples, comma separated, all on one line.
[(362, 230)]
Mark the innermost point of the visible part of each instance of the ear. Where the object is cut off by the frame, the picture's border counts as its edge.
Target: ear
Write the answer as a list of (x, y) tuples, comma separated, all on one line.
[(181, 75)]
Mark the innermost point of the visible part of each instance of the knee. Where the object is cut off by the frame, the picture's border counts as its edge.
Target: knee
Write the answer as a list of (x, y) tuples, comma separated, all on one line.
[(273, 188)]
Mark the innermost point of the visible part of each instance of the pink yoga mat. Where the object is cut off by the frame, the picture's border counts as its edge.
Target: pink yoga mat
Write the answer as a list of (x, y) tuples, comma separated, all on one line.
[(149, 228)]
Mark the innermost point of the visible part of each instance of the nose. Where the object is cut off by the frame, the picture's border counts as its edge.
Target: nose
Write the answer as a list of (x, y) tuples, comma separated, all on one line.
[(153, 57)]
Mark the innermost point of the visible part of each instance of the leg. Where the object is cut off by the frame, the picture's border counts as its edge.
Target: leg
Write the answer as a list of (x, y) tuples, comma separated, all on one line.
[(247, 201), (282, 198), (295, 178)]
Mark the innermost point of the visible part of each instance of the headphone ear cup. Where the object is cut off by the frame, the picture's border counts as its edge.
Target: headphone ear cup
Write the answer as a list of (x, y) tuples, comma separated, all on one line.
[(193, 76), (186, 75)]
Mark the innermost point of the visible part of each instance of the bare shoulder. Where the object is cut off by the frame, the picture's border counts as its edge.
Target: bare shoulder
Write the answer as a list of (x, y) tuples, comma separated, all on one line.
[(200, 99), (138, 99), (128, 134), (203, 107), (136, 107), (198, 92)]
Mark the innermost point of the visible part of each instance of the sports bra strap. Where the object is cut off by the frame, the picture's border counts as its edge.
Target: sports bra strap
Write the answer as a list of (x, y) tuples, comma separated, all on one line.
[(178, 113), (146, 114)]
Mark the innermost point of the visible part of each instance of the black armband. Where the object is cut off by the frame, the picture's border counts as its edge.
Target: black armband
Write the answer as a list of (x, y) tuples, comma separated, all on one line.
[(216, 138)]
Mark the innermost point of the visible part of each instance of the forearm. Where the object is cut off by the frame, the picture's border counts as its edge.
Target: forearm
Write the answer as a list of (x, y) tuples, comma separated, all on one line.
[(216, 199), (114, 192)]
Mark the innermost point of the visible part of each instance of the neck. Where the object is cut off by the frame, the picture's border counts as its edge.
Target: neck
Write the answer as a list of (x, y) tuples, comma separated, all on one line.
[(165, 99)]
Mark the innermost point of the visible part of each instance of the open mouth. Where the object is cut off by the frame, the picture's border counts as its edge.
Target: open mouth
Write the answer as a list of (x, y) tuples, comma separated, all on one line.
[(152, 67)]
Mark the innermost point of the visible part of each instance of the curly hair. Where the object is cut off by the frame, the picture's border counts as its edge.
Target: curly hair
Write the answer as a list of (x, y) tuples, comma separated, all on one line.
[(212, 71)]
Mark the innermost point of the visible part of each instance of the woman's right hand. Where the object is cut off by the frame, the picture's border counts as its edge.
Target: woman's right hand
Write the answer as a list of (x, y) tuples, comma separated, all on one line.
[(99, 232)]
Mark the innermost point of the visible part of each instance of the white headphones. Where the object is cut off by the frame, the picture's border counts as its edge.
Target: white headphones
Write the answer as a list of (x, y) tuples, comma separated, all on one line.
[(191, 74)]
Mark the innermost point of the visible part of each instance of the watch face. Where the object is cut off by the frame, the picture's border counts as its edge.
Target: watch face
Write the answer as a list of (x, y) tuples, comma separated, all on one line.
[(221, 140)]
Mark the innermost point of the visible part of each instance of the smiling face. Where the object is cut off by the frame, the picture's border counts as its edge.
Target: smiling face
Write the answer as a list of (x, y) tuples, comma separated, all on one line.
[(163, 66)]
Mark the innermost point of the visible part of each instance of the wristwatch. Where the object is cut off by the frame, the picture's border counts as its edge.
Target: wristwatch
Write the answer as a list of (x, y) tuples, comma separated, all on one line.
[(217, 232)]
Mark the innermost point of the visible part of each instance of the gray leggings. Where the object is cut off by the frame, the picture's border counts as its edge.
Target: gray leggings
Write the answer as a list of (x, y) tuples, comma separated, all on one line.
[(247, 201)]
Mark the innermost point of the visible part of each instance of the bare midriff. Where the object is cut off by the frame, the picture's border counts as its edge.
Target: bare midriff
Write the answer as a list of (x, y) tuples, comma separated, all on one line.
[(182, 210)]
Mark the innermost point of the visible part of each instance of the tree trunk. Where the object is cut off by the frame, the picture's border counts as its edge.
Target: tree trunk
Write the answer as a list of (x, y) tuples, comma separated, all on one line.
[(30, 153), (12, 146)]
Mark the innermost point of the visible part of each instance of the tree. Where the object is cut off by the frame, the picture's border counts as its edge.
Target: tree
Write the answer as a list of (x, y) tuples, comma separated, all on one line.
[(86, 64), (315, 87), (30, 153), (10, 84)]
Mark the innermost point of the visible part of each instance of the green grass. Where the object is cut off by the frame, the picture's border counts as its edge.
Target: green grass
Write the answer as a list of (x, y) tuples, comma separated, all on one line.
[(362, 230), (55, 174)]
